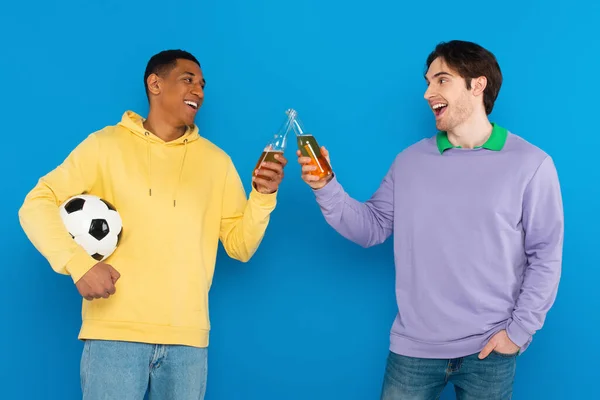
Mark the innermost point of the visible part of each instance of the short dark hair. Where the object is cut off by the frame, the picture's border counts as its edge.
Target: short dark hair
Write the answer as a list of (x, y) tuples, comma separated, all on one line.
[(471, 61), (163, 62)]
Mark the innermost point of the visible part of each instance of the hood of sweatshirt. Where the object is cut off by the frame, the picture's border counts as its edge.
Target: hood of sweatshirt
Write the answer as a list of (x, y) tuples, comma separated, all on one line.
[(133, 123)]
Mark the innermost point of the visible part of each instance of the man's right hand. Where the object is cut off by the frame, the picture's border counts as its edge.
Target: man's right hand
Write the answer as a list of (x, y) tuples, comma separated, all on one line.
[(308, 167), (98, 282)]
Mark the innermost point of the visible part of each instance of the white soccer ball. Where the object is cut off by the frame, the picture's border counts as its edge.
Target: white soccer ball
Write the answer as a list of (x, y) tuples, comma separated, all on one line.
[(93, 223)]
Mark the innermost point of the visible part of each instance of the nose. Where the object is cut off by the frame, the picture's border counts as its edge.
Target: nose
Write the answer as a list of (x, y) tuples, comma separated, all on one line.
[(428, 93), (197, 90)]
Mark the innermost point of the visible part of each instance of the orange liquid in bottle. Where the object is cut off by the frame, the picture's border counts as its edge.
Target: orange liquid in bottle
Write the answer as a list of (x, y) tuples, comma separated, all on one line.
[(310, 148)]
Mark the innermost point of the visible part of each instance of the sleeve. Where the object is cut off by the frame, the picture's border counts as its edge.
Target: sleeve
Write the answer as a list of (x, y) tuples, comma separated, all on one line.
[(39, 214), (367, 224), (243, 221), (543, 224)]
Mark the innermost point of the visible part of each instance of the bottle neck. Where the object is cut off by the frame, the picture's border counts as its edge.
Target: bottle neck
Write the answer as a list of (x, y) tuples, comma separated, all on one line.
[(299, 128)]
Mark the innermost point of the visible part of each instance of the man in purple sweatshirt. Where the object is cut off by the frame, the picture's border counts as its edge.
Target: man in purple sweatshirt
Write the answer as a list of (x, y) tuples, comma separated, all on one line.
[(477, 217)]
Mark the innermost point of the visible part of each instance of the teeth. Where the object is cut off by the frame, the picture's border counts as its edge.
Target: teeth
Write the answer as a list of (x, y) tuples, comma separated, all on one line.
[(439, 105), (191, 103)]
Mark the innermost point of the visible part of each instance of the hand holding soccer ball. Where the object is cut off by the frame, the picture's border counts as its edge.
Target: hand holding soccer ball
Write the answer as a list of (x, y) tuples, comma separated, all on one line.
[(98, 282), (97, 227)]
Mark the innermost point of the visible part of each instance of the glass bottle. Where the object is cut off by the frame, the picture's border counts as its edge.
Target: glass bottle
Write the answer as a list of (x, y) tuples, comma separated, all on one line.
[(277, 144), (308, 146)]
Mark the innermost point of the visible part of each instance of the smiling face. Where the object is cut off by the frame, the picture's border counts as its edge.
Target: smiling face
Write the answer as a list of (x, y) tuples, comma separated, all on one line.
[(178, 93), (451, 101)]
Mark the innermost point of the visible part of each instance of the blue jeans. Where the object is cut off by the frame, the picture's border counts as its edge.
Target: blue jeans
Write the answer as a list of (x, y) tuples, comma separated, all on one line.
[(126, 371), (409, 378)]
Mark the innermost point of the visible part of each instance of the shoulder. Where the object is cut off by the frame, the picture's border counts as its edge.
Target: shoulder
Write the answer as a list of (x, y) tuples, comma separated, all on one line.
[(108, 133), (526, 154), (520, 146), (424, 147), (210, 151)]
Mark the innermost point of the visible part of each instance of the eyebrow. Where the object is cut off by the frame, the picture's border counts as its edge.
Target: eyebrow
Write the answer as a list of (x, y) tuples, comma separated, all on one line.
[(439, 74), (192, 74)]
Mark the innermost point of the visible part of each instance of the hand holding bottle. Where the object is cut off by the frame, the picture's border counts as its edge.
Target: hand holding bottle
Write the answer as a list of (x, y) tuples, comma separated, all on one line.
[(316, 169), (310, 173), (269, 174)]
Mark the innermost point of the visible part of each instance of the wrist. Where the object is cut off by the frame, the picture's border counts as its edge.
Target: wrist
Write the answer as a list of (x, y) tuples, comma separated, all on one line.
[(327, 180), (517, 334)]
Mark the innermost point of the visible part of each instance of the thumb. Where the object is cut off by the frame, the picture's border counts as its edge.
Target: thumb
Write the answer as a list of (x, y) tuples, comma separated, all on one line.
[(114, 275), (325, 154), (491, 345)]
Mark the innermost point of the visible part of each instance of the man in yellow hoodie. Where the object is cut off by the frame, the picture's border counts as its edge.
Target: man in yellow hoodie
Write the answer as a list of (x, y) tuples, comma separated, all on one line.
[(145, 310)]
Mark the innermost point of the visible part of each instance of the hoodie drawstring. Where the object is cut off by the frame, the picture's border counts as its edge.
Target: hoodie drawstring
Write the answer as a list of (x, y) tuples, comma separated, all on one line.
[(180, 173), (185, 141)]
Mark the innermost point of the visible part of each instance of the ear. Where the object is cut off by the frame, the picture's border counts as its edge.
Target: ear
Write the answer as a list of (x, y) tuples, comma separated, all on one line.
[(154, 84), (478, 85)]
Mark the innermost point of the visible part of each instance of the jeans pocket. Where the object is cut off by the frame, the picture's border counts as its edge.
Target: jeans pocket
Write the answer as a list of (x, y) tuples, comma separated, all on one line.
[(504, 355)]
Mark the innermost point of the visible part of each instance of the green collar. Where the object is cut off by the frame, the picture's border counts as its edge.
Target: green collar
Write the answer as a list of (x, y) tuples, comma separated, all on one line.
[(495, 141)]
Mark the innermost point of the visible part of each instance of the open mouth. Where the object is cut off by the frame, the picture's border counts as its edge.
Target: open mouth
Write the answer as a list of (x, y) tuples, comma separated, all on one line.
[(191, 104), (439, 109)]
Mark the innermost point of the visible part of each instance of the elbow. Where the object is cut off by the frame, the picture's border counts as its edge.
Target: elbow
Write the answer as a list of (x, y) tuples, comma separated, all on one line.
[(241, 255), (23, 214), (244, 258)]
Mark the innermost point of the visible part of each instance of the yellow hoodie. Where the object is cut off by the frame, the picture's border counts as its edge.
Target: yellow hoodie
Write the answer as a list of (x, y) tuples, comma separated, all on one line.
[(176, 200)]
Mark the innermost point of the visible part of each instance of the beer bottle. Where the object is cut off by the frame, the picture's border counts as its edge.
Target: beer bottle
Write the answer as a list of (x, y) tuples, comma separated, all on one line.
[(277, 144), (308, 146)]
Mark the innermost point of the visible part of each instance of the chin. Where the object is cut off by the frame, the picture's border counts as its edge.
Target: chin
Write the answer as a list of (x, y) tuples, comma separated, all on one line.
[(187, 121)]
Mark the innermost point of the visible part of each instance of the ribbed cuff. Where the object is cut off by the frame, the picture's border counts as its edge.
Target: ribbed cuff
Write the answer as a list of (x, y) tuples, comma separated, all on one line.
[(80, 264), (329, 191), (263, 200), (517, 334)]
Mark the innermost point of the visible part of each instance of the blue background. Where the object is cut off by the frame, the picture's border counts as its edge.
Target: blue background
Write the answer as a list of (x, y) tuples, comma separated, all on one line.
[(308, 317)]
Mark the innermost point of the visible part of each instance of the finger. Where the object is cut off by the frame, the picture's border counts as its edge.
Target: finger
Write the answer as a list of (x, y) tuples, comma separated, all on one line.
[(298, 153), (111, 289), (308, 168), (88, 298), (114, 275), (272, 166), (304, 160), (266, 174), (325, 153), (309, 178), (281, 159), (487, 350), (263, 183)]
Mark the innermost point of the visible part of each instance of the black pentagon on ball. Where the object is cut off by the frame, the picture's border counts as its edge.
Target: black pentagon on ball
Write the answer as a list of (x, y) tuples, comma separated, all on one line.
[(97, 256), (99, 228), (74, 205)]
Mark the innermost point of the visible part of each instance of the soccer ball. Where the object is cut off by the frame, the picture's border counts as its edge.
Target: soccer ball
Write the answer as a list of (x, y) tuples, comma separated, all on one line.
[(93, 223)]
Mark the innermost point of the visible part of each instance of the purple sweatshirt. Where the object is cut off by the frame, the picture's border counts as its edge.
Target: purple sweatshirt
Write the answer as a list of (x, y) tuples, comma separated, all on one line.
[(478, 237)]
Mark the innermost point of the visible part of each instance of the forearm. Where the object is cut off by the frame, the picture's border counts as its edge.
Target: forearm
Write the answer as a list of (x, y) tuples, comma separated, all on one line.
[(243, 232), (366, 224), (40, 219), (537, 296)]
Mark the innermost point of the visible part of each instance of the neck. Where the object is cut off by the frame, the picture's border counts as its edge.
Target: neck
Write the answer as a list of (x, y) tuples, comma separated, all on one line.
[(471, 133), (159, 124)]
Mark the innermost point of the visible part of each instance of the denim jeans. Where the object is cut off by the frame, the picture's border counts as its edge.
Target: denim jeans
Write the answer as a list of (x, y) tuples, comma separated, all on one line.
[(113, 370), (409, 378)]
